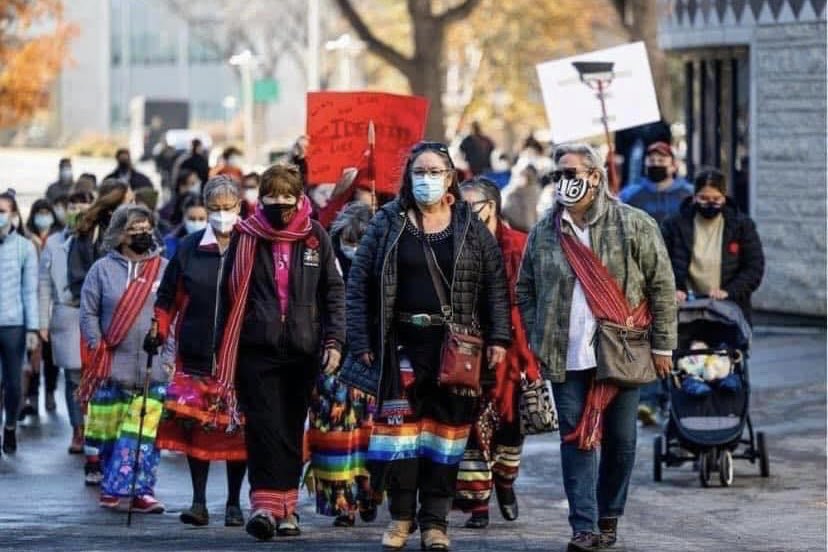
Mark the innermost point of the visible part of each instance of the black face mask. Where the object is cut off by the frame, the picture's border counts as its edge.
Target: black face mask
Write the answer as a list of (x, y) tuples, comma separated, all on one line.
[(708, 210), (657, 174), (278, 214), (141, 243), (124, 166)]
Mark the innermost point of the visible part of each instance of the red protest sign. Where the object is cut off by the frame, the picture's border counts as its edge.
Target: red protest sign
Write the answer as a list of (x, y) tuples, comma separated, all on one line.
[(337, 130)]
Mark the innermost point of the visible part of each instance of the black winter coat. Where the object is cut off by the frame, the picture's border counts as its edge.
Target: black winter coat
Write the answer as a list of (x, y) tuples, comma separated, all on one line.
[(192, 279), (743, 262), (479, 291), (316, 303)]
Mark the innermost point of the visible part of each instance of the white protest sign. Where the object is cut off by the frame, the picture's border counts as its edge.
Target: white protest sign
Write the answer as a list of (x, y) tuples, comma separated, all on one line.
[(573, 108)]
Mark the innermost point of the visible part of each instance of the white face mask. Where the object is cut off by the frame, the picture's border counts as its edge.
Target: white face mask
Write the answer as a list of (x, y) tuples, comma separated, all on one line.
[(349, 251), (60, 213), (234, 161), (223, 221), (251, 195), (571, 190), (194, 225)]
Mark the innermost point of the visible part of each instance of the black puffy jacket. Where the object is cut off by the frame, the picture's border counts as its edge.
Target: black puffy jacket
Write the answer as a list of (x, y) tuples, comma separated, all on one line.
[(479, 290), (743, 263)]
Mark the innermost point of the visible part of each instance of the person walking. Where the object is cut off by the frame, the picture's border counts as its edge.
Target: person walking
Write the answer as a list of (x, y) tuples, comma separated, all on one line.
[(63, 185), (18, 313), (477, 149), (60, 316), (589, 232), (115, 315), (194, 216), (714, 248), (340, 418), (127, 173), (660, 192), (194, 420), (396, 326), (281, 316), (492, 457)]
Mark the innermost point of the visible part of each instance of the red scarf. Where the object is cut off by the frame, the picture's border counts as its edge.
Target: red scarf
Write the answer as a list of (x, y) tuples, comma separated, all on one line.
[(250, 230), (607, 301), (99, 366)]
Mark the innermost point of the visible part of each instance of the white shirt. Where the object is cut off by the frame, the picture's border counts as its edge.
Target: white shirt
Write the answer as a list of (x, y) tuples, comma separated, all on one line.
[(580, 354)]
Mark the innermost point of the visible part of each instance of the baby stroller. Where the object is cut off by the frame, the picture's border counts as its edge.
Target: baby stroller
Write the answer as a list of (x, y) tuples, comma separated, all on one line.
[(707, 420)]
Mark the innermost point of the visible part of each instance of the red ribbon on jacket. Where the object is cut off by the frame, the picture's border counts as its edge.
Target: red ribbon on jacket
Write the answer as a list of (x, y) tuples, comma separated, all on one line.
[(607, 301), (97, 365)]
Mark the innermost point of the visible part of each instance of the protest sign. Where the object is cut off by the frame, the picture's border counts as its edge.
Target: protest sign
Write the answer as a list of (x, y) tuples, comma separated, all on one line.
[(338, 134), (574, 111)]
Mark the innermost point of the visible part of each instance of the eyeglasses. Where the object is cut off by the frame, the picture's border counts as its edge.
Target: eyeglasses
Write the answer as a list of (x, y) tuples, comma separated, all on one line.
[(430, 172), (569, 174), (426, 145)]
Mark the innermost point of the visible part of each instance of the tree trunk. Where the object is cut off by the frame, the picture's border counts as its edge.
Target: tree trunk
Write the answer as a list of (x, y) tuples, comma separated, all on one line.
[(427, 75), (644, 26)]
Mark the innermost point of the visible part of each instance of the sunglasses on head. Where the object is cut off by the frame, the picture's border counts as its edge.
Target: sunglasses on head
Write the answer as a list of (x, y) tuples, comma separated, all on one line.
[(569, 174), (439, 147)]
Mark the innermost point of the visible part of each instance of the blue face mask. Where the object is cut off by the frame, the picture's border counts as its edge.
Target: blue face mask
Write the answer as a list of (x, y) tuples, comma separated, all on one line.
[(4, 220), (194, 225), (427, 189), (43, 222)]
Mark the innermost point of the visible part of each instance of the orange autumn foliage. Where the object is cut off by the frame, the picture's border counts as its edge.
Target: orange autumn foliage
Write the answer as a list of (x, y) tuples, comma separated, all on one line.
[(33, 47)]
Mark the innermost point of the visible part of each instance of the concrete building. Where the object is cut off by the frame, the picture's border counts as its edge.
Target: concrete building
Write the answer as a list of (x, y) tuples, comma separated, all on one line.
[(127, 49), (755, 107)]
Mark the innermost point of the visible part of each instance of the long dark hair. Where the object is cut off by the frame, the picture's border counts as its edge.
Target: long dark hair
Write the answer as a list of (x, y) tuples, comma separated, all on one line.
[(41, 205), (406, 194), (112, 195)]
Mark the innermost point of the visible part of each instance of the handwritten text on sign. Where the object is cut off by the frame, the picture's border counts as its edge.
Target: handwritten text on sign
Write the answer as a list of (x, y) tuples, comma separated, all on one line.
[(338, 133)]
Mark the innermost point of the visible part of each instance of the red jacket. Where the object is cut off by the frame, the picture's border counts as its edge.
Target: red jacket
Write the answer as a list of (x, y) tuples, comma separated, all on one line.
[(518, 357)]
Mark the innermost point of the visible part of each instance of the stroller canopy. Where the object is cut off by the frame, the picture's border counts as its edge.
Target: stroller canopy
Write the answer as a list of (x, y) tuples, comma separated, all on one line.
[(723, 320)]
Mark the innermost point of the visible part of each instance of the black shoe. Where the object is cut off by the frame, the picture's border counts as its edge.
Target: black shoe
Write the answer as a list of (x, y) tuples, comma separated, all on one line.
[(51, 405), (261, 526), (233, 516), (367, 508), (478, 521), (583, 541), (289, 527), (344, 521), (29, 409), (9, 440), (609, 532), (507, 501), (196, 515)]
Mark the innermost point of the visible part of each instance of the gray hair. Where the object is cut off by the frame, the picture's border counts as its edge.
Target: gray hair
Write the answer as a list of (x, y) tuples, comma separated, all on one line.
[(121, 218), (592, 160), (352, 221), (220, 185)]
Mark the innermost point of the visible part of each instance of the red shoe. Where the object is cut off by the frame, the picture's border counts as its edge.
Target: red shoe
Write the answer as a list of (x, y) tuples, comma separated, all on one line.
[(108, 501), (147, 504)]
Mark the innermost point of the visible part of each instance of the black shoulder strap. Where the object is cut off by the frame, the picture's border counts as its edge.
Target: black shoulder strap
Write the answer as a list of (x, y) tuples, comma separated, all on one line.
[(437, 278)]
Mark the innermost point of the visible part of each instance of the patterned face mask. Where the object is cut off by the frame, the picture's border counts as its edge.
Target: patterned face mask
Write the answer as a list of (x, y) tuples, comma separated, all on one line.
[(571, 190)]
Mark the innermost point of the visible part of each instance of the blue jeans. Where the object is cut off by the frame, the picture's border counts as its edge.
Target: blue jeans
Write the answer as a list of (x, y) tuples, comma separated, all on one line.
[(12, 356), (72, 378), (596, 487), (654, 394)]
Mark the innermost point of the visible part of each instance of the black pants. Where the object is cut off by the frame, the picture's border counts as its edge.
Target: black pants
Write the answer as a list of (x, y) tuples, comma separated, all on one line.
[(274, 395), (50, 374)]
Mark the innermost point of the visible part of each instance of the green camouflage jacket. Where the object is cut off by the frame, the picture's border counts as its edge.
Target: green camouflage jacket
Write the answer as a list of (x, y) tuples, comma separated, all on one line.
[(629, 243)]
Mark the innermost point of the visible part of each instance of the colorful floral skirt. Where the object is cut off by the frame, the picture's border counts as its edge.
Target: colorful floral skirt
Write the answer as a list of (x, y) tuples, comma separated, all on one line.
[(340, 428), (112, 424), (195, 423)]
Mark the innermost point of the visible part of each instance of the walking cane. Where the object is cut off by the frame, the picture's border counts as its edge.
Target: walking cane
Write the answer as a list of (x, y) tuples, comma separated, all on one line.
[(135, 464)]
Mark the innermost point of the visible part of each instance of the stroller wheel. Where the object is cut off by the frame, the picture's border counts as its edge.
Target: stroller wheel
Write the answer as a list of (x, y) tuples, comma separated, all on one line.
[(726, 468), (762, 450), (657, 458), (706, 460)]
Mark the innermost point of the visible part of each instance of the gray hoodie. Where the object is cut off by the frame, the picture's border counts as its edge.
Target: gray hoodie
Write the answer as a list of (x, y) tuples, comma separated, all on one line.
[(104, 285)]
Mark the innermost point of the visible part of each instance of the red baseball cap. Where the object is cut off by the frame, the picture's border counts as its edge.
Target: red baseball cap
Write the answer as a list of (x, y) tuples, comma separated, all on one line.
[(661, 147)]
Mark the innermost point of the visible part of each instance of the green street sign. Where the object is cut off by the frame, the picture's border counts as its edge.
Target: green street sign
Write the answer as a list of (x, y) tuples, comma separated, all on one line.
[(266, 91)]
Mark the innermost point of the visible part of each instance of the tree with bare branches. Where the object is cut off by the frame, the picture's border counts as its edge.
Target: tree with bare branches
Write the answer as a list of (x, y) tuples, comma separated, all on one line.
[(424, 68), (29, 60)]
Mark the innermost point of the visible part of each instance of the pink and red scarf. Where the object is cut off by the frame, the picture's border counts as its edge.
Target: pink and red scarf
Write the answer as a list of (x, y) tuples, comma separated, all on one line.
[(254, 228)]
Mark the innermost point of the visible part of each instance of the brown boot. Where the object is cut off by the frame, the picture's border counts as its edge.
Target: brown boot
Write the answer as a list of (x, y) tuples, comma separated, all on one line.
[(609, 532), (583, 541), (435, 539), (76, 446), (397, 533)]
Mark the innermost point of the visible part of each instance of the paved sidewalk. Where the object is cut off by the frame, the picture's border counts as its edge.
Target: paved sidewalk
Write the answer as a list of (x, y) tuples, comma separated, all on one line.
[(44, 505)]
